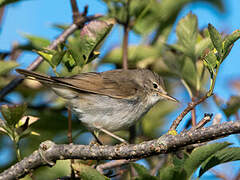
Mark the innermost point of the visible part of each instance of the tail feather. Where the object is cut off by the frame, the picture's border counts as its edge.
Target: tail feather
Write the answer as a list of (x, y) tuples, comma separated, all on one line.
[(39, 77)]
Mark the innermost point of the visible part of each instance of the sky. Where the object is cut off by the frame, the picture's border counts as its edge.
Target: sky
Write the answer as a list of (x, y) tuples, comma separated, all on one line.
[(36, 17)]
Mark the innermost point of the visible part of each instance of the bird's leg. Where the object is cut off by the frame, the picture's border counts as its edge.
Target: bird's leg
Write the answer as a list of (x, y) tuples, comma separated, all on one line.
[(113, 135), (95, 134)]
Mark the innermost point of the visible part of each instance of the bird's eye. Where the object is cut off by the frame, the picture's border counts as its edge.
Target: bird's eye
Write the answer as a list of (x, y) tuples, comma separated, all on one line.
[(155, 86)]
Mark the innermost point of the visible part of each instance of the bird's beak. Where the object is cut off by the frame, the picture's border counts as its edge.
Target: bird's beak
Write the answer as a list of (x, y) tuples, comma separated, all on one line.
[(166, 96)]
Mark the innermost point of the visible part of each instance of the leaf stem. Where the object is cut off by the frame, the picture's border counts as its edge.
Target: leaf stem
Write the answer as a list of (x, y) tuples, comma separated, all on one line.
[(213, 81)]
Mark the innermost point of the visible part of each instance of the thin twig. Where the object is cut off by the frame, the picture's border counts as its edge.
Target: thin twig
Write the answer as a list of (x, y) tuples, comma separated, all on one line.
[(193, 114), (205, 120), (185, 111), (1, 14), (160, 163), (125, 47), (60, 39), (125, 37)]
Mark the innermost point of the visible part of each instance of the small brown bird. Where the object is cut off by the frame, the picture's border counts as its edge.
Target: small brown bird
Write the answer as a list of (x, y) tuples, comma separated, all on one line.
[(107, 101)]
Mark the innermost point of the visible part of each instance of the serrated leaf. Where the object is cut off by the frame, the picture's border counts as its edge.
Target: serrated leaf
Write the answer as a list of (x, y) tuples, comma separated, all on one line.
[(6, 66), (88, 173), (84, 48), (92, 35), (187, 30), (233, 106), (12, 114), (216, 38), (200, 154), (222, 156)]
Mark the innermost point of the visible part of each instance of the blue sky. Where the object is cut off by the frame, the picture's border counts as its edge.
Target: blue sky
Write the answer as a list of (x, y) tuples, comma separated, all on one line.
[(36, 17)]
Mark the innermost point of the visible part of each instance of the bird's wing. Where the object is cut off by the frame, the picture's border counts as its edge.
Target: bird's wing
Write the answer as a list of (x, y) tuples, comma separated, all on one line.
[(109, 83), (112, 84)]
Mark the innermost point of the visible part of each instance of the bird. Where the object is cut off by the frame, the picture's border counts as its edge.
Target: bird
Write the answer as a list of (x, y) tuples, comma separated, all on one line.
[(108, 101)]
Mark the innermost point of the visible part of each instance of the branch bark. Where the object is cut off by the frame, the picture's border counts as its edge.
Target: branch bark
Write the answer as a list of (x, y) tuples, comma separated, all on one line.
[(49, 152)]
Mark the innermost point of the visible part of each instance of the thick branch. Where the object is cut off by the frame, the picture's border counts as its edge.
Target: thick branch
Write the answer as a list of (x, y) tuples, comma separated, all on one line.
[(49, 152), (61, 38)]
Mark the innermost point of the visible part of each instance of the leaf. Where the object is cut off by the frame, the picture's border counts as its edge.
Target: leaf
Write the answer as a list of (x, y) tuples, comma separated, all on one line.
[(37, 42), (210, 61), (216, 39), (189, 73), (233, 106), (25, 122), (200, 154), (143, 172), (229, 41), (202, 45), (6, 66), (171, 172), (187, 31), (222, 156), (84, 49), (135, 54), (57, 57), (88, 173), (12, 114), (46, 56)]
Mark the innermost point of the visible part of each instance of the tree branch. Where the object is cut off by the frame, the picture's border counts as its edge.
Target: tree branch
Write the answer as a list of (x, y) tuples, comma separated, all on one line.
[(61, 38), (49, 152), (190, 106)]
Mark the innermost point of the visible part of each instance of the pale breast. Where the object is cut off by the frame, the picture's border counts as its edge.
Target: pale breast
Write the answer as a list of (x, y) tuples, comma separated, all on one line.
[(109, 113)]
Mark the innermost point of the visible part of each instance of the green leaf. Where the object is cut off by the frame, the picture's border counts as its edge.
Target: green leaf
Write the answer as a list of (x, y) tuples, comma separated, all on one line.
[(46, 56), (37, 42), (135, 54), (229, 41), (171, 172), (88, 173), (143, 172), (57, 57), (233, 106), (199, 155), (187, 31), (12, 114), (6, 66), (202, 45), (210, 61), (189, 73), (216, 39), (84, 48), (222, 156)]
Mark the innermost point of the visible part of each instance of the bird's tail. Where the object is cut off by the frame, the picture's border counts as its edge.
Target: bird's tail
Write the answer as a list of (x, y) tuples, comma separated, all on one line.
[(36, 76)]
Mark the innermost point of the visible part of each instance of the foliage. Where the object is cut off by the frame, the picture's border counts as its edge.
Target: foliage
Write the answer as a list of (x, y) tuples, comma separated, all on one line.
[(192, 61)]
